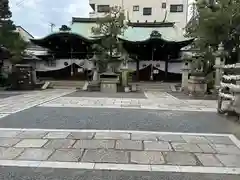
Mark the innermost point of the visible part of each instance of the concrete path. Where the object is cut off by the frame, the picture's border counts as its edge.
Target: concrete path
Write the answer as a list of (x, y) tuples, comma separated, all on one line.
[(29, 99), (23, 173), (120, 150), (155, 100), (169, 155)]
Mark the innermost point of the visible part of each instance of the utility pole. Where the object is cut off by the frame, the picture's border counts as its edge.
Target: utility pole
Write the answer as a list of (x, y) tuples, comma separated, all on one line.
[(52, 25), (122, 4)]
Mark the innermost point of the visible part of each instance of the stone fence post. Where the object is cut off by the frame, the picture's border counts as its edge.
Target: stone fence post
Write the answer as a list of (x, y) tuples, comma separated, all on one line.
[(219, 62), (185, 73)]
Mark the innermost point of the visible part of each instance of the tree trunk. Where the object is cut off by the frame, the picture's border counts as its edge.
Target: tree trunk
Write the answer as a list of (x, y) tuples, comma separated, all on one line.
[(137, 70), (166, 69)]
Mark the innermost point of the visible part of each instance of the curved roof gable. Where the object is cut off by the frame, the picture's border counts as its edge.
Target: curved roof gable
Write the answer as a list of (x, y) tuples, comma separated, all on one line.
[(135, 32)]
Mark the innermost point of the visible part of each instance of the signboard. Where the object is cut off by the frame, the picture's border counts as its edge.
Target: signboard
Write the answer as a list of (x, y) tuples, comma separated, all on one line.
[(155, 71), (80, 70)]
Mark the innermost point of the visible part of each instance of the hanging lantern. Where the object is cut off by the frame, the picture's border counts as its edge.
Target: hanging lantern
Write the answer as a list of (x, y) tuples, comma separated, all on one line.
[(234, 50)]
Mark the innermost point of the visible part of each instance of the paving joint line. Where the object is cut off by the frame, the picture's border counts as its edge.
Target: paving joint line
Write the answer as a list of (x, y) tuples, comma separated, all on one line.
[(231, 136), (120, 167)]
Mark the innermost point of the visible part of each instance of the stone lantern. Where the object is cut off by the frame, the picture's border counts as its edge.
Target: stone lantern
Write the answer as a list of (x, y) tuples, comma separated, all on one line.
[(185, 71), (219, 62)]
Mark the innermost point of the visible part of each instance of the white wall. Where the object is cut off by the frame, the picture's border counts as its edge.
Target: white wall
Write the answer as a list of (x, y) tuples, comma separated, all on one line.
[(60, 63), (158, 13)]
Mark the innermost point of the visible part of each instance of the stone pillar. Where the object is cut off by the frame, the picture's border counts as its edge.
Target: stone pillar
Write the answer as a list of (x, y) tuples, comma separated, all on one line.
[(124, 71), (185, 74), (95, 75), (219, 62)]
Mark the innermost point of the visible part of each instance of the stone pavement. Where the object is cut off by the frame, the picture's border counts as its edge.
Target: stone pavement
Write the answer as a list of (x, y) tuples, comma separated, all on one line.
[(120, 150), (29, 99), (155, 100)]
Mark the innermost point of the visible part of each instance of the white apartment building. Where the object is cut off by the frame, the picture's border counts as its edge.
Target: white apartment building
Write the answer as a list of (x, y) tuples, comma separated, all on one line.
[(145, 10)]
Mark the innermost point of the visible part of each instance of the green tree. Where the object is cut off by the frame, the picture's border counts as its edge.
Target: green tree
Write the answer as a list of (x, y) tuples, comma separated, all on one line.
[(64, 28), (216, 21), (8, 36), (108, 29)]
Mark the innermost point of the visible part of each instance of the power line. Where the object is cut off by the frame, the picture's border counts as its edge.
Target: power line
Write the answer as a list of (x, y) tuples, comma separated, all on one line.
[(19, 3)]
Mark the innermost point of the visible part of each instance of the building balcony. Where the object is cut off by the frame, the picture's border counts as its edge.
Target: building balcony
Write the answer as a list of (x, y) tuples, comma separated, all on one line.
[(96, 14), (92, 1)]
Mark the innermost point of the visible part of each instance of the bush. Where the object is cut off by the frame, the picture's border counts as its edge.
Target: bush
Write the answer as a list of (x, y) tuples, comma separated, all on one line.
[(3, 80)]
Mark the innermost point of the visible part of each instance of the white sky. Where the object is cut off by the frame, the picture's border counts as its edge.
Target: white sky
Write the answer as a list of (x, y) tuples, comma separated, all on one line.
[(36, 15)]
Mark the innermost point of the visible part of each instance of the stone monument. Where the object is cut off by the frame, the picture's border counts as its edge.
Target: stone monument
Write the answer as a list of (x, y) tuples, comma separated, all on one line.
[(109, 81)]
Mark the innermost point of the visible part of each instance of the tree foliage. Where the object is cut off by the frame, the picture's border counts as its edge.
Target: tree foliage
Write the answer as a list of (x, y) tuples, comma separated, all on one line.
[(9, 38), (64, 28), (215, 22), (108, 29)]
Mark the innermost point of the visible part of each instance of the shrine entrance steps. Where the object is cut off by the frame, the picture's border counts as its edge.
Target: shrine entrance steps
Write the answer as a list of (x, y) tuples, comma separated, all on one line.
[(156, 86), (64, 84)]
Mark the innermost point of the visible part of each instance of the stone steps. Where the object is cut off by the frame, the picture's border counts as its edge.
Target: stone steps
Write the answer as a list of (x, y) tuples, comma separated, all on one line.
[(94, 87), (155, 86), (67, 84)]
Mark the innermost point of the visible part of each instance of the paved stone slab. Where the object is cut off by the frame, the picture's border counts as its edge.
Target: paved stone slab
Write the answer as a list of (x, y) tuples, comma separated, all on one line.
[(10, 153), (59, 144), (147, 157), (186, 147), (114, 135), (57, 135), (129, 145), (94, 144), (145, 137), (35, 154), (9, 134), (81, 135), (219, 140), (68, 155), (157, 146), (8, 142), (30, 99), (34, 143), (171, 138), (208, 160), (206, 148), (179, 158), (195, 139), (32, 135), (105, 156), (226, 149), (229, 160), (3, 115)]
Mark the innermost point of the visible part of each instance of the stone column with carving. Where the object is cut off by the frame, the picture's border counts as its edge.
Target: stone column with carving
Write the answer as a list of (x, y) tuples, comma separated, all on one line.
[(219, 62), (185, 72), (95, 69)]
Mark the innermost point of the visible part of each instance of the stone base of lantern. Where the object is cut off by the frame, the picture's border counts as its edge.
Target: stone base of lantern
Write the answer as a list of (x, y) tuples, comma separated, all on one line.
[(197, 86)]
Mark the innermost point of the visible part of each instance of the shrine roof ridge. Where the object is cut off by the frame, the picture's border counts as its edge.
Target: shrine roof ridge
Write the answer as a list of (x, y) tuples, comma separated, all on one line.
[(129, 23)]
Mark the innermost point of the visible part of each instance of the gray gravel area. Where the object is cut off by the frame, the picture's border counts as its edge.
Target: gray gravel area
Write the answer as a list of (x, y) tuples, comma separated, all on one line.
[(120, 119), (5, 95), (181, 95), (137, 95), (21, 173)]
